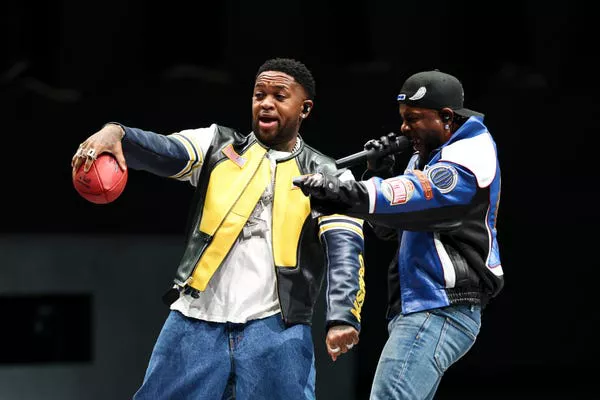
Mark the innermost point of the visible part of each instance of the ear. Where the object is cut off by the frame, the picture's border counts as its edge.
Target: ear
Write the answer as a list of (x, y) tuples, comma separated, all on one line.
[(307, 106), (446, 115)]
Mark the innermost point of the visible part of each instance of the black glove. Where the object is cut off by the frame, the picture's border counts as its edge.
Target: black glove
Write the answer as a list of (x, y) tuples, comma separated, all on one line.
[(382, 167), (330, 195), (319, 186)]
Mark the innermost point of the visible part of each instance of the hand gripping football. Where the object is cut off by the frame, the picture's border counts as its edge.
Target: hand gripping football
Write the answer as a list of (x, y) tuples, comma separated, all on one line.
[(103, 183)]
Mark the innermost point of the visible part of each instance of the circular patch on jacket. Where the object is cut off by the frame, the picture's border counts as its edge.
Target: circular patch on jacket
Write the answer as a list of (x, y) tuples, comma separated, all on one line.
[(444, 177), (397, 190)]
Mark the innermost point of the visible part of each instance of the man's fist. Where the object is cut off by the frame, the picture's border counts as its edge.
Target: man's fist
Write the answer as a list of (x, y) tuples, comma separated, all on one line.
[(318, 185), (381, 166), (340, 339), (330, 195)]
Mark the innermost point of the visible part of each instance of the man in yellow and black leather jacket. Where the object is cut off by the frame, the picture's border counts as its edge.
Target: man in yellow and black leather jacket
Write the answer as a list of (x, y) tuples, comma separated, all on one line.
[(256, 256)]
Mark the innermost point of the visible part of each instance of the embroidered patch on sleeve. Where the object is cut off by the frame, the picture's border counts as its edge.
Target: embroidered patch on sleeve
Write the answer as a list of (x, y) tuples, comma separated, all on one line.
[(444, 177), (425, 184), (397, 190)]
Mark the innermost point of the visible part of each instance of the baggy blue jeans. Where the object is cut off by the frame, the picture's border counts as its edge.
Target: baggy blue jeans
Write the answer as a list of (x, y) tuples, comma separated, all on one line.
[(420, 348), (260, 359)]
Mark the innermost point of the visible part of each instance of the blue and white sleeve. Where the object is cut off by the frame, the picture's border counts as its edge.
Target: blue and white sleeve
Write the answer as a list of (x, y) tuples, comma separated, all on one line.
[(179, 155), (438, 197)]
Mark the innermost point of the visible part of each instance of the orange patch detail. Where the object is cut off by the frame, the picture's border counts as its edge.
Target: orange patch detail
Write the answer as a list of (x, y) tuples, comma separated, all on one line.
[(425, 184)]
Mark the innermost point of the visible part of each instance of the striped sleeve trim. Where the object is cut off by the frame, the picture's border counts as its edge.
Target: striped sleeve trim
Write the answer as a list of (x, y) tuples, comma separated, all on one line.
[(336, 217), (195, 158), (340, 222)]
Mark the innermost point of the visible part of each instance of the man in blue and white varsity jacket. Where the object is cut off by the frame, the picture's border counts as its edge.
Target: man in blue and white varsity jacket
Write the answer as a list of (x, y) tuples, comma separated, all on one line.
[(443, 211)]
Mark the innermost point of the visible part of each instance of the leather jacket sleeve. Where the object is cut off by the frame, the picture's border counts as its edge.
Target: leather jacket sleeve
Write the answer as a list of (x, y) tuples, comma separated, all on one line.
[(411, 201), (343, 242), (173, 156)]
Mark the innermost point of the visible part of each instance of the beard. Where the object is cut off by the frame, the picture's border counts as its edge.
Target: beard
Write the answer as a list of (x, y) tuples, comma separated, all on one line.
[(429, 144), (283, 134)]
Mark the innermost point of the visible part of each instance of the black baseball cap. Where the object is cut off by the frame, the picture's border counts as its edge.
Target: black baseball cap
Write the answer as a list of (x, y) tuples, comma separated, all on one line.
[(435, 90)]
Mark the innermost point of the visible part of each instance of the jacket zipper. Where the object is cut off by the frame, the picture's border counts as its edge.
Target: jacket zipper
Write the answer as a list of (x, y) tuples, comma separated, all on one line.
[(273, 241)]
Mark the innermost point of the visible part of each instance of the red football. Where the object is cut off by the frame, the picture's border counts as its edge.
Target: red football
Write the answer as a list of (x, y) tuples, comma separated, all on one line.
[(103, 183)]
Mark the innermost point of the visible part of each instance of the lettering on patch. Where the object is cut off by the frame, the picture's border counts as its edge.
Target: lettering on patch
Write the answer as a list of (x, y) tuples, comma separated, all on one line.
[(425, 184), (233, 156), (397, 190), (444, 177)]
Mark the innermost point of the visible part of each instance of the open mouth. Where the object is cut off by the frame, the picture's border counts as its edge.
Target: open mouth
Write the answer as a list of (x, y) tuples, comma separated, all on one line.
[(416, 143), (267, 122)]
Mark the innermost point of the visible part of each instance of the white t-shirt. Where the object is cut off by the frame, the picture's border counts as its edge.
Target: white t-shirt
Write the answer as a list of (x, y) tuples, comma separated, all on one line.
[(243, 288)]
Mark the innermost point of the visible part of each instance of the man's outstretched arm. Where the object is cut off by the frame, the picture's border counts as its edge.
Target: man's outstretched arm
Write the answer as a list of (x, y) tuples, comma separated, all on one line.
[(413, 201), (177, 156)]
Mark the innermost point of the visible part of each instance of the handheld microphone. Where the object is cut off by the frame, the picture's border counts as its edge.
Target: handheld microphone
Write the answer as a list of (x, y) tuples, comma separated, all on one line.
[(400, 145)]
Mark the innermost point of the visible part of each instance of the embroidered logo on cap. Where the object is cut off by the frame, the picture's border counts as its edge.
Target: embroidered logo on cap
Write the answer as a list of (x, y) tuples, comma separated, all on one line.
[(420, 94)]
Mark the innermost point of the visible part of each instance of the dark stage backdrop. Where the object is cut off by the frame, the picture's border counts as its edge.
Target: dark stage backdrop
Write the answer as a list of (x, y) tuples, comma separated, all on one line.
[(66, 68)]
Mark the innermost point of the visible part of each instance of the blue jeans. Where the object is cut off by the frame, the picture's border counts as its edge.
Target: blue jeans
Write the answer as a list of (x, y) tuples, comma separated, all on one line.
[(261, 359), (420, 348)]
